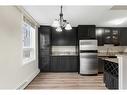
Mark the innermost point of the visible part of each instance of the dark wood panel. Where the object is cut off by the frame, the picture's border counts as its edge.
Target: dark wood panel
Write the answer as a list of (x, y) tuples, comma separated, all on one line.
[(99, 36), (44, 48), (100, 65), (123, 37), (108, 35), (64, 38), (111, 75), (44, 63), (64, 64), (86, 32)]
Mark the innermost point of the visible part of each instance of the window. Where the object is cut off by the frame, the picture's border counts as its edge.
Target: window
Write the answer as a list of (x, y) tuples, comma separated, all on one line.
[(28, 31)]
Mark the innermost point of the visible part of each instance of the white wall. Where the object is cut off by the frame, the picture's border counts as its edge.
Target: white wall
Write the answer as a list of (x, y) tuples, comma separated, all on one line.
[(122, 59), (13, 73)]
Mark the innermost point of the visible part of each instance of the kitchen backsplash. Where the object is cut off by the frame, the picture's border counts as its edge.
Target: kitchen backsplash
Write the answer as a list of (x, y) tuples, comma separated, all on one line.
[(64, 50), (106, 50), (109, 50)]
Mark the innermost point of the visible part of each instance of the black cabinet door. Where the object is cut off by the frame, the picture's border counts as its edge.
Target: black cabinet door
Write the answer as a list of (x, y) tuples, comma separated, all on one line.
[(54, 67), (73, 63), (111, 36), (64, 38), (44, 64), (44, 48), (86, 32), (123, 37), (99, 36), (107, 36), (71, 37), (64, 64), (100, 65), (115, 36), (111, 75), (57, 38)]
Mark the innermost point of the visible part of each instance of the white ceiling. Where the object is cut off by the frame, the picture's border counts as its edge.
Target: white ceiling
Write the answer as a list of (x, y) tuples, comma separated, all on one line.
[(101, 16)]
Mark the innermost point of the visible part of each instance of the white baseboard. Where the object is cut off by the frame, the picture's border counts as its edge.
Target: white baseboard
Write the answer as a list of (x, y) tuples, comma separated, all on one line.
[(28, 80)]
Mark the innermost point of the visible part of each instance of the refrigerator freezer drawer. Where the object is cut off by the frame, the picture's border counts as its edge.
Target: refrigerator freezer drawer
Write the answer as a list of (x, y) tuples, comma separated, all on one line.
[(89, 64)]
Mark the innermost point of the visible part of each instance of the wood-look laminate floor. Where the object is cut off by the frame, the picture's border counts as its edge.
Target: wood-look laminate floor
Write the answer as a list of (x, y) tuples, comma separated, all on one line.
[(67, 81)]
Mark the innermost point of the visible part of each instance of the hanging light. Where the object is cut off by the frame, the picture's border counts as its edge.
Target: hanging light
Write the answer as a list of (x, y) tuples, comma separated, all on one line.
[(68, 27), (59, 29), (56, 23), (60, 24)]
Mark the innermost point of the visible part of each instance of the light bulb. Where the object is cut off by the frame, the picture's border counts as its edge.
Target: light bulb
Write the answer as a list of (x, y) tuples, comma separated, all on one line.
[(59, 29), (68, 27), (55, 23)]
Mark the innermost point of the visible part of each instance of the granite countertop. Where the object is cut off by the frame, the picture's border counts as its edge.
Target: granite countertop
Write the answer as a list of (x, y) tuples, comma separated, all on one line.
[(111, 53), (104, 56), (115, 60), (64, 55)]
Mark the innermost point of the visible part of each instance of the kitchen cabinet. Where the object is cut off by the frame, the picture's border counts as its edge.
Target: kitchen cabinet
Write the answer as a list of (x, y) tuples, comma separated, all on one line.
[(86, 32), (123, 37), (64, 64), (107, 35), (99, 36), (44, 47), (64, 38), (100, 65), (115, 36), (111, 36), (111, 75)]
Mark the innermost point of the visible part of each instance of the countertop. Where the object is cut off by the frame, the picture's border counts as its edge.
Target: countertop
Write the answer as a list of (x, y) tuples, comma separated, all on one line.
[(64, 55), (115, 60)]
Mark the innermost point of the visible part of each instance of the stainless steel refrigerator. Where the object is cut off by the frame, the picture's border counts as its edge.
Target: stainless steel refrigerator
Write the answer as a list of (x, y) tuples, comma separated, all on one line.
[(88, 57)]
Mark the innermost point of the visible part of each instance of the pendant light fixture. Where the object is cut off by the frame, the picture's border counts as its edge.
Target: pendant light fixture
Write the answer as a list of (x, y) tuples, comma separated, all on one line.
[(60, 23)]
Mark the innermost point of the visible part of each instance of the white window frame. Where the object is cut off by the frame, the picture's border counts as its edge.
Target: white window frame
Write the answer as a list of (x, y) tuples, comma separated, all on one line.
[(31, 47)]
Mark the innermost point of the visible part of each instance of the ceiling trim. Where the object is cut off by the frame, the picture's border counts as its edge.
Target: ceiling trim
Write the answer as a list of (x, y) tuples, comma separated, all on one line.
[(25, 13)]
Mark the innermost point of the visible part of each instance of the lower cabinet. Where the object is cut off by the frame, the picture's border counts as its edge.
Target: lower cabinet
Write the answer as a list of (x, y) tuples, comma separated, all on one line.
[(111, 75), (64, 64), (44, 63), (100, 65), (111, 82)]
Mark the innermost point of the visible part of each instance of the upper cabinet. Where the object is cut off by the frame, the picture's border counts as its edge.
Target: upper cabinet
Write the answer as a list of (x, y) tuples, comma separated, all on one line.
[(107, 35), (116, 36), (44, 36), (123, 36), (111, 35), (99, 36), (86, 32), (64, 38), (44, 47)]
